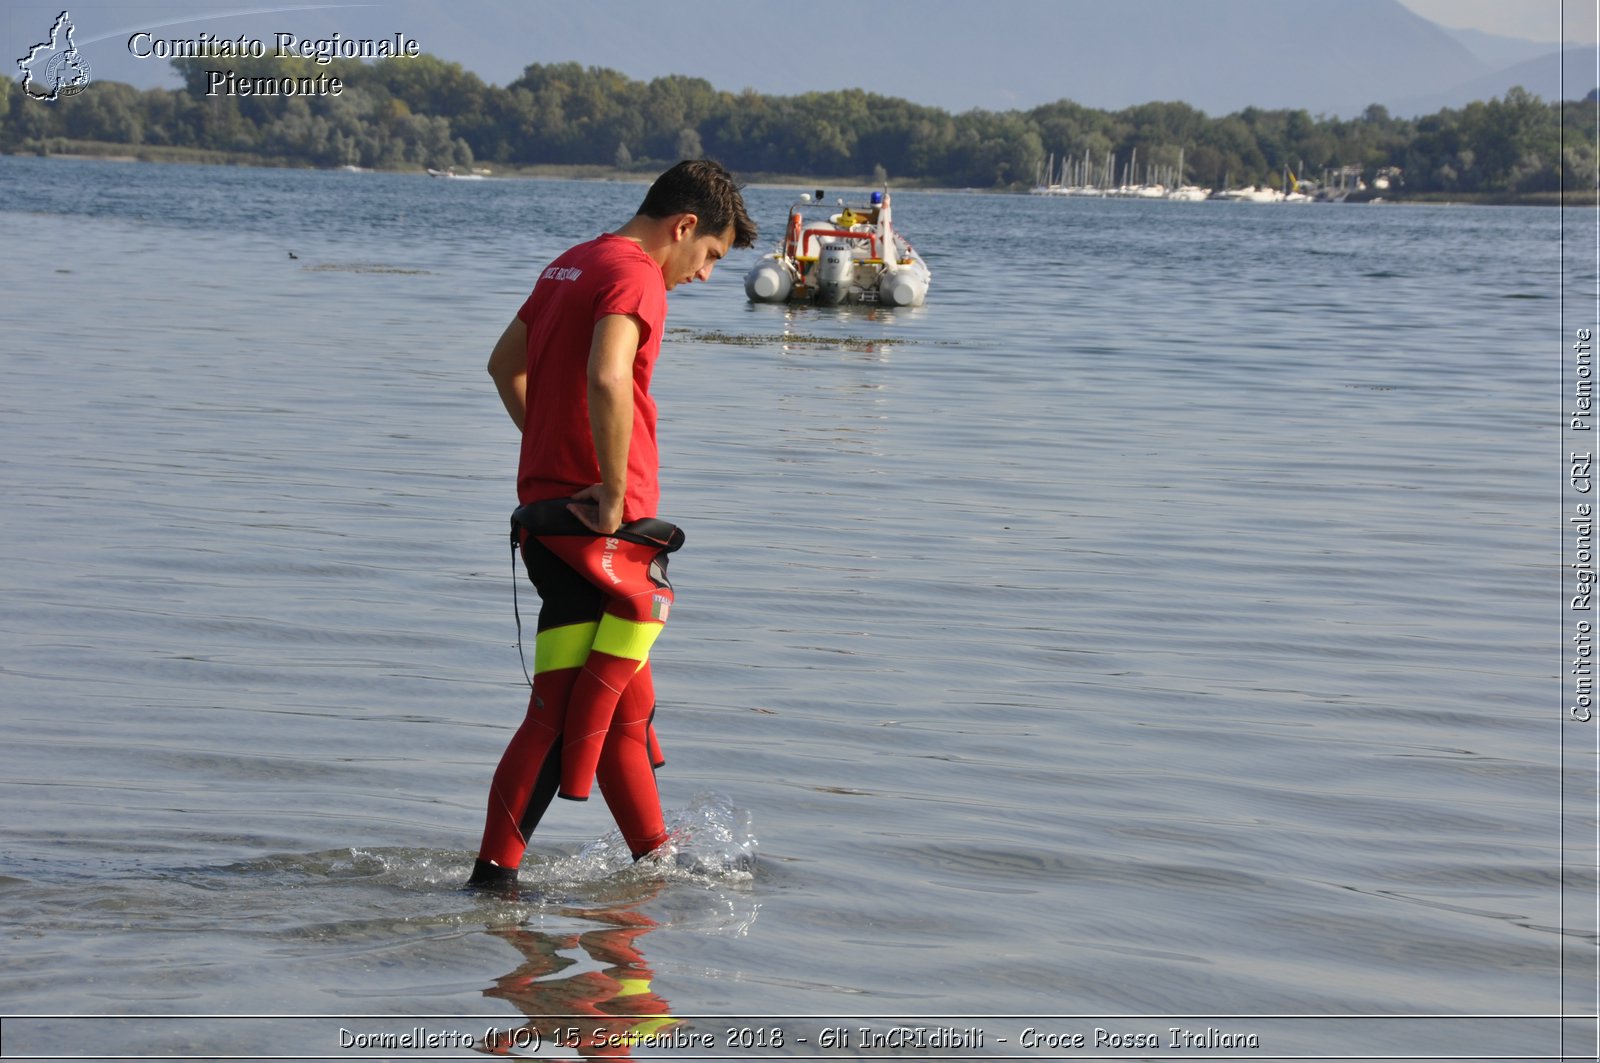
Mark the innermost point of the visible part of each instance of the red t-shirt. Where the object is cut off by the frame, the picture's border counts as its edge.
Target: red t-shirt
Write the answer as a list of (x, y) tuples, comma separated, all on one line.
[(608, 275)]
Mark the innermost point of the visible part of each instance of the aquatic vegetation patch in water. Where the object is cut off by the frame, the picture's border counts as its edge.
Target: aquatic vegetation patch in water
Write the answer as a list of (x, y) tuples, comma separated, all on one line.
[(363, 267), (788, 339)]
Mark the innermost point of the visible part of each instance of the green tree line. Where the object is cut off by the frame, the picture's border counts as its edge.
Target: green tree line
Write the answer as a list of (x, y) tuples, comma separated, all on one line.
[(400, 113)]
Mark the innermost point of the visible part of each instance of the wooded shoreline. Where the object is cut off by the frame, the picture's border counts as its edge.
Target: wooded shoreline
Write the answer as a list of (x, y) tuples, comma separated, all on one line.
[(568, 120)]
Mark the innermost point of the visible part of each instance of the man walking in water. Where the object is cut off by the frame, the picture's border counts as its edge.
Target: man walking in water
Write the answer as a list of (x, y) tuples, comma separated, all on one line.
[(573, 370)]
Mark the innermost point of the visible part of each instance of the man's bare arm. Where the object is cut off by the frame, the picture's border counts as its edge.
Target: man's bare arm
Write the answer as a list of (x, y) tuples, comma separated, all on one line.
[(611, 355), (508, 365)]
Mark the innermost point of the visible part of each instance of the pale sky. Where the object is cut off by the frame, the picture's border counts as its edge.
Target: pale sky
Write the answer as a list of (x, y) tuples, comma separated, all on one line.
[(1537, 20)]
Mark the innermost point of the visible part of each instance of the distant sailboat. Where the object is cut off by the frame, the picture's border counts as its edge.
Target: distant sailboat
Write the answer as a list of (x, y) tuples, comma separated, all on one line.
[(1187, 193)]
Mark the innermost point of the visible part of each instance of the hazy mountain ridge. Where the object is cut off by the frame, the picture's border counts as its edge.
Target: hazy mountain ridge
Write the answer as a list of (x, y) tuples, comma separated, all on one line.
[(1545, 76), (1501, 52)]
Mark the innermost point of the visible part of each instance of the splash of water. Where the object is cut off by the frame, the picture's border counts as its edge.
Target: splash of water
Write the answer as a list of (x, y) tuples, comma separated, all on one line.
[(710, 839)]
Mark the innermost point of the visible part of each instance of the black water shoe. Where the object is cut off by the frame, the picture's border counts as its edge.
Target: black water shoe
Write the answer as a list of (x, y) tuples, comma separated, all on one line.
[(488, 875)]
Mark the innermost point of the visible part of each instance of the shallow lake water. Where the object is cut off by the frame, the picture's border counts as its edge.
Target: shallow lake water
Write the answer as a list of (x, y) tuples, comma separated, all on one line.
[(1159, 629)]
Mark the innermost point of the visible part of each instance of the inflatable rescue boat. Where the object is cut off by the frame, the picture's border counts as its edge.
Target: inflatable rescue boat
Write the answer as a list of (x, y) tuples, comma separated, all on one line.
[(847, 254)]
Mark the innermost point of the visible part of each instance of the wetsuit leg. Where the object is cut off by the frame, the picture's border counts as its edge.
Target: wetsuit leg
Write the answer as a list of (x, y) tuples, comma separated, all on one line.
[(530, 769), (626, 772), (632, 577)]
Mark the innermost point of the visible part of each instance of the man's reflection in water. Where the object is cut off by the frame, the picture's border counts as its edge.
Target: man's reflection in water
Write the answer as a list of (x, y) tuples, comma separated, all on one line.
[(586, 994)]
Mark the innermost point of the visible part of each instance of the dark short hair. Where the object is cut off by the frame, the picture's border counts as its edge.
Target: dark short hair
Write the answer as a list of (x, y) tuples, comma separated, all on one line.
[(707, 190)]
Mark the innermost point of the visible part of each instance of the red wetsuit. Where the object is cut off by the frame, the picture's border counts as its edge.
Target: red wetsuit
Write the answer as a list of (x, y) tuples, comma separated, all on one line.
[(603, 599)]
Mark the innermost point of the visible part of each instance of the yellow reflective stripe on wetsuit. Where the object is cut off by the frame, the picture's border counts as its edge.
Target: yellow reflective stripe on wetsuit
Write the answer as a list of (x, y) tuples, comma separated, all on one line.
[(628, 639), (563, 647)]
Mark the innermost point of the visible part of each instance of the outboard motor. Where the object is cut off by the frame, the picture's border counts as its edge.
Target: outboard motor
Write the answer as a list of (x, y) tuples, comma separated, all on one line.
[(836, 272)]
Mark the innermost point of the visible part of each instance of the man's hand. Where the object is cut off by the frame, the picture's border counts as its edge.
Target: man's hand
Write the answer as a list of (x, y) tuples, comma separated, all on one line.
[(599, 508)]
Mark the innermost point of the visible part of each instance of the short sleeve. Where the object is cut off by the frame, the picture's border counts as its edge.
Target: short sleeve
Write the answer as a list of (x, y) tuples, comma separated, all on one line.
[(525, 313), (624, 295), (635, 292)]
